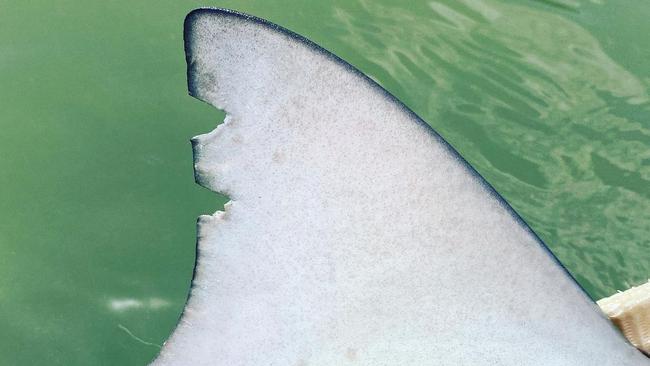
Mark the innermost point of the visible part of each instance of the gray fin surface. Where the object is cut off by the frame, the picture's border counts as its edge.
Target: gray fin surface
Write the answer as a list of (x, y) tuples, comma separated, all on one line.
[(355, 234)]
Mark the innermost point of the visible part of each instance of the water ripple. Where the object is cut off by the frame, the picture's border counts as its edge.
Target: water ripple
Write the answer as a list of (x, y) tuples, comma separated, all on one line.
[(533, 101)]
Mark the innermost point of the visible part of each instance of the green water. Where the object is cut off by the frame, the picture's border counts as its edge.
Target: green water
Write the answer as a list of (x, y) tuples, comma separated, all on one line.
[(547, 99)]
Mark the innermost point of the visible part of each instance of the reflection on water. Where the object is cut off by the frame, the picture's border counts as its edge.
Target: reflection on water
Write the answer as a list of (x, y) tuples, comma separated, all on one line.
[(533, 101), (125, 304)]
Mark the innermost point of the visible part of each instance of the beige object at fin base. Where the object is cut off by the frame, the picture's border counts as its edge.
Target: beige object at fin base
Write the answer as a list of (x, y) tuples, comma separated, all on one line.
[(630, 311)]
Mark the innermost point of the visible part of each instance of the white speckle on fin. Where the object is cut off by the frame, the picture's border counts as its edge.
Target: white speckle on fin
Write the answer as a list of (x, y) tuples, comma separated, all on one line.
[(355, 233)]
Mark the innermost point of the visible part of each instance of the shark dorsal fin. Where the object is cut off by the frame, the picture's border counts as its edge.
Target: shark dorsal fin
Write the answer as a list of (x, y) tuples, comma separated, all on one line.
[(355, 233)]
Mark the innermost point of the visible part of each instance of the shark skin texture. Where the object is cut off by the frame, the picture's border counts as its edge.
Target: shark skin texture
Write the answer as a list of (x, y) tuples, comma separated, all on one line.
[(355, 234)]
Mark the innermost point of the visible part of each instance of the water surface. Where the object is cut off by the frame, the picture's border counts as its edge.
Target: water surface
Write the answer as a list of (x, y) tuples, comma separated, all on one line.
[(547, 99)]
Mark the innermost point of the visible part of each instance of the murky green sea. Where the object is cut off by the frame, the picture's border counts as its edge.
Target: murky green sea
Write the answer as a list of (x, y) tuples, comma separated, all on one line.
[(547, 99)]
